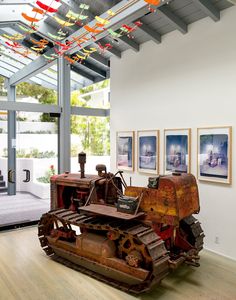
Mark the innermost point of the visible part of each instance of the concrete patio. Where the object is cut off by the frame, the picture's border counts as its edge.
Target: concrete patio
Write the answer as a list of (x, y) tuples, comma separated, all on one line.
[(21, 208)]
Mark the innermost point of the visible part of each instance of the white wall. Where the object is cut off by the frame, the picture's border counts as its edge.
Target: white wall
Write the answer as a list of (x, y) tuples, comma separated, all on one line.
[(187, 81)]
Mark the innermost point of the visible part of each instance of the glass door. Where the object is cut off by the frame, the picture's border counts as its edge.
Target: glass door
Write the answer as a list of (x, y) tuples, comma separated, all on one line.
[(3, 167), (3, 154), (36, 161)]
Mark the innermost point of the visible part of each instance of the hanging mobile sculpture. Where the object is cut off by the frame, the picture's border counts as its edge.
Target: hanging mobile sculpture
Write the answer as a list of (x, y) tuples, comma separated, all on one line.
[(72, 19)]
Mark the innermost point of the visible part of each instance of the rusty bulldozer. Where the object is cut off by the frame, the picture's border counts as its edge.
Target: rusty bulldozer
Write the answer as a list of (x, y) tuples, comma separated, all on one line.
[(130, 237)]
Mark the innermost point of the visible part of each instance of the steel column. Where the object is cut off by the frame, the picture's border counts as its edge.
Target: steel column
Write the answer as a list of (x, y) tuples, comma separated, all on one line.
[(11, 129), (64, 120)]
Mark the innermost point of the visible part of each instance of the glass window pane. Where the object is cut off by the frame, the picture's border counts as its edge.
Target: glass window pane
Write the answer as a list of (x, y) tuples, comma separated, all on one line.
[(3, 151), (3, 91), (91, 135), (42, 88), (96, 95), (36, 150)]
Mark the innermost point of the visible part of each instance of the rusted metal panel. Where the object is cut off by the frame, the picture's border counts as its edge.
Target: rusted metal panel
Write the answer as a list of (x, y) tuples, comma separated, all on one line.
[(109, 211), (72, 179), (186, 194), (175, 198)]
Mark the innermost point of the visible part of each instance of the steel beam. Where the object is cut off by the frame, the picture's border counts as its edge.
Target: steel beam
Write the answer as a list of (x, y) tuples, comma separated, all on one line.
[(32, 69), (133, 11), (64, 144), (84, 111), (82, 73), (173, 19), (208, 8), (92, 68), (11, 131), (112, 50), (39, 79), (94, 56), (8, 67), (32, 107), (42, 30), (5, 73), (36, 79), (130, 43), (5, 24), (10, 14), (15, 2), (99, 59), (154, 35)]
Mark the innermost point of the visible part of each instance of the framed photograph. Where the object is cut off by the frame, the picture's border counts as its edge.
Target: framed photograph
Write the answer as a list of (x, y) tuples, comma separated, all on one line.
[(215, 154), (125, 150), (148, 151), (177, 150)]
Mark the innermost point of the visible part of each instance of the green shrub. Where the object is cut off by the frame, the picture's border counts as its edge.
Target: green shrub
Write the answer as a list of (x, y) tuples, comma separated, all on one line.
[(48, 174)]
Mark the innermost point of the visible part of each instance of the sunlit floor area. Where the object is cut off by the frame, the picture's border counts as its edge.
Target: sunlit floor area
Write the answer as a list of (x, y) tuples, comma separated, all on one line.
[(21, 208), (27, 273)]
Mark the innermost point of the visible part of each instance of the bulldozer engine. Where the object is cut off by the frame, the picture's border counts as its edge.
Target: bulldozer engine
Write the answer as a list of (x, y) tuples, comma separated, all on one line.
[(129, 237)]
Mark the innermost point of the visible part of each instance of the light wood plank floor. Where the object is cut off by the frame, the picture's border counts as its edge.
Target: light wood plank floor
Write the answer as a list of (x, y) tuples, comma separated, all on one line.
[(26, 273)]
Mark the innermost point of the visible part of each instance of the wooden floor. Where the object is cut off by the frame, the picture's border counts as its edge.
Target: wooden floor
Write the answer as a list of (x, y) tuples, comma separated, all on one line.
[(26, 273)]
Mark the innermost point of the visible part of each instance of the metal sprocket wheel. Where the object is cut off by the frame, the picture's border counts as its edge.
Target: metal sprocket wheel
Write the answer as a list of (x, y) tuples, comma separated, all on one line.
[(128, 244)]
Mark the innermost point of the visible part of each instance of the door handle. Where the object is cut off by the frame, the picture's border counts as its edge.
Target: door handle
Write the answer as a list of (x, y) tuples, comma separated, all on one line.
[(11, 176), (27, 174)]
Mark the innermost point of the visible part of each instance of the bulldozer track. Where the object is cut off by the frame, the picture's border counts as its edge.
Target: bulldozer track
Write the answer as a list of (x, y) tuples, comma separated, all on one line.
[(153, 247), (195, 229)]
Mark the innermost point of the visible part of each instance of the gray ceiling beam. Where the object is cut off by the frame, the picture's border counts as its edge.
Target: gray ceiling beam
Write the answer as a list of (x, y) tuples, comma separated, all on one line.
[(86, 111), (99, 59), (15, 2), (208, 8), (14, 62), (134, 11), (154, 35), (92, 68), (8, 67), (6, 24), (32, 69), (95, 57), (43, 83), (14, 13), (75, 85), (4, 72), (26, 106), (82, 73), (36, 64), (130, 43), (40, 81), (173, 19), (20, 63), (114, 51), (10, 14)]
